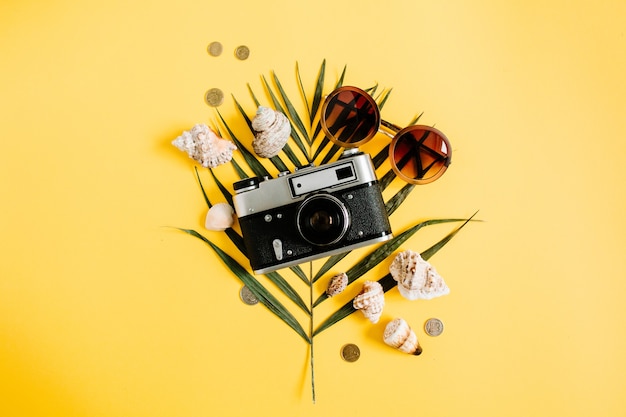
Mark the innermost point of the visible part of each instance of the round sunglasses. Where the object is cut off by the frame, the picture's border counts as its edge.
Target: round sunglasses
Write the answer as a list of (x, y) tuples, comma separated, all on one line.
[(418, 154)]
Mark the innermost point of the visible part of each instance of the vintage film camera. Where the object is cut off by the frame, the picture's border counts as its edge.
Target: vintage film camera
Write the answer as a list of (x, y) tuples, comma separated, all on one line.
[(311, 213)]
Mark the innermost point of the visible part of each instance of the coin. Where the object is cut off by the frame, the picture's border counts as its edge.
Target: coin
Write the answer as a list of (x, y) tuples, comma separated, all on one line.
[(247, 297), (350, 352), (215, 49), (214, 97), (242, 52), (433, 327)]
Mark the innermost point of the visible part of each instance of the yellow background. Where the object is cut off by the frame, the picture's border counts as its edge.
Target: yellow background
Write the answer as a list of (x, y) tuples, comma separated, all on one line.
[(105, 311)]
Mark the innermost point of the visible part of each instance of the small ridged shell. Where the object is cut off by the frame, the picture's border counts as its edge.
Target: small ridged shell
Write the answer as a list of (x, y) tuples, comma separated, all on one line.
[(271, 132), (416, 277), (398, 334), (370, 301), (204, 146), (337, 284), (220, 217)]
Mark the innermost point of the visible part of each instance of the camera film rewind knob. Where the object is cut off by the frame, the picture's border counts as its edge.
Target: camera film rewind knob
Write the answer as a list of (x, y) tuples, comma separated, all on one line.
[(349, 152), (246, 184)]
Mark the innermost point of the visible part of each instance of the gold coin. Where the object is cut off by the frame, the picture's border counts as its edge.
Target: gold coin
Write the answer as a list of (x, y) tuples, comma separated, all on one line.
[(247, 297), (350, 352), (215, 49), (242, 52), (433, 327), (214, 97)]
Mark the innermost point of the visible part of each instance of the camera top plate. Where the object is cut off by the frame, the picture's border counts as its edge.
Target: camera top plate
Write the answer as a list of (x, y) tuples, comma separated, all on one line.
[(254, 195)]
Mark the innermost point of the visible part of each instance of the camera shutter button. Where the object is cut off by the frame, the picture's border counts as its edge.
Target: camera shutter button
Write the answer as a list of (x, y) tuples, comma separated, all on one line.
[(278, 249)]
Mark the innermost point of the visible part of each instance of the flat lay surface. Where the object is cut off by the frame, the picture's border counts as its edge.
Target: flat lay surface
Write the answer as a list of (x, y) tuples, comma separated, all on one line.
[(106, 309)]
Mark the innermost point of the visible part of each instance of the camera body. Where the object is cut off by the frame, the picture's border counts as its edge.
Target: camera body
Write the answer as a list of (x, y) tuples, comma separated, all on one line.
[(311, 213)]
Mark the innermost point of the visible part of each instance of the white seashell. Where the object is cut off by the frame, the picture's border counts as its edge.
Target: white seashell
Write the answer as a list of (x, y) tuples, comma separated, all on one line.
[(271, 132), (220, 217), (204, 146), (370, 301), (416, 277), (337, 284), (398, 334)]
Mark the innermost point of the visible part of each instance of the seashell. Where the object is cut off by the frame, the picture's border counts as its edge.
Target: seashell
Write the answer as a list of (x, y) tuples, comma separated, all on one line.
[(398, 334), (337, 284), (220, 217), (204, 146), (416, 277), (271, 132), (370, 301)]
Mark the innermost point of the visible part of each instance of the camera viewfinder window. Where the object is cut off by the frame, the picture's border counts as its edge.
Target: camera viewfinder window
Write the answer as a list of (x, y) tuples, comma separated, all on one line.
[(344, 173)]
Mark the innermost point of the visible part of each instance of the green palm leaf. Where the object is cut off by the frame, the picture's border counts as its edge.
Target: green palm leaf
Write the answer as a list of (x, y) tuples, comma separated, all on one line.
[(317, 95), (237, 239), (256, 167), (204, 194), (415, 119), (380, 157), (292, 157), (375, 257), (383, 99), (428, 253), (387, 282), (276, 161), (395, 201), (371, 90), (303, 91), (256, 100), (387, 179), (264, 296), (308, 143), (227, 195), (242, 174), (323, 143), (330, 262), (300, 273), (288, 290), (291, 111), (318, 127), (279, 107)]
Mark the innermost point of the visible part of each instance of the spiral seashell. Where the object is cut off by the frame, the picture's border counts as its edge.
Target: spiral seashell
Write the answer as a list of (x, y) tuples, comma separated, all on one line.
[(220, 217), (398, 334), (416, 277), (271, 132), (337, 284), (204, 146), (370, 300)]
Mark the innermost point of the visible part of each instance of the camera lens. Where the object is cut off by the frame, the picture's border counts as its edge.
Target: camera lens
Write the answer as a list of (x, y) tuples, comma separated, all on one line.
[(322, 219)]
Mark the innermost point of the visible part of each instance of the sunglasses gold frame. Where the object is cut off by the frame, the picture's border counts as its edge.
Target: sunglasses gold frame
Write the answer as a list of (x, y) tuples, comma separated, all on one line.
[(415, 142)]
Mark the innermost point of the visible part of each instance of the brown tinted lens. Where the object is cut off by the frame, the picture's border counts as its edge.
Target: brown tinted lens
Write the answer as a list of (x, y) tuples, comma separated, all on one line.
[(350, 117), (420, 154)]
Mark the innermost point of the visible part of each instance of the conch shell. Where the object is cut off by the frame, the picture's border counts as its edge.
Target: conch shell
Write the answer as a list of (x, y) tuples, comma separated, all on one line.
[(370, 301), (271, 132), (398, 334), (337, 284), (220, 217), (204, 146), (416, 277)]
